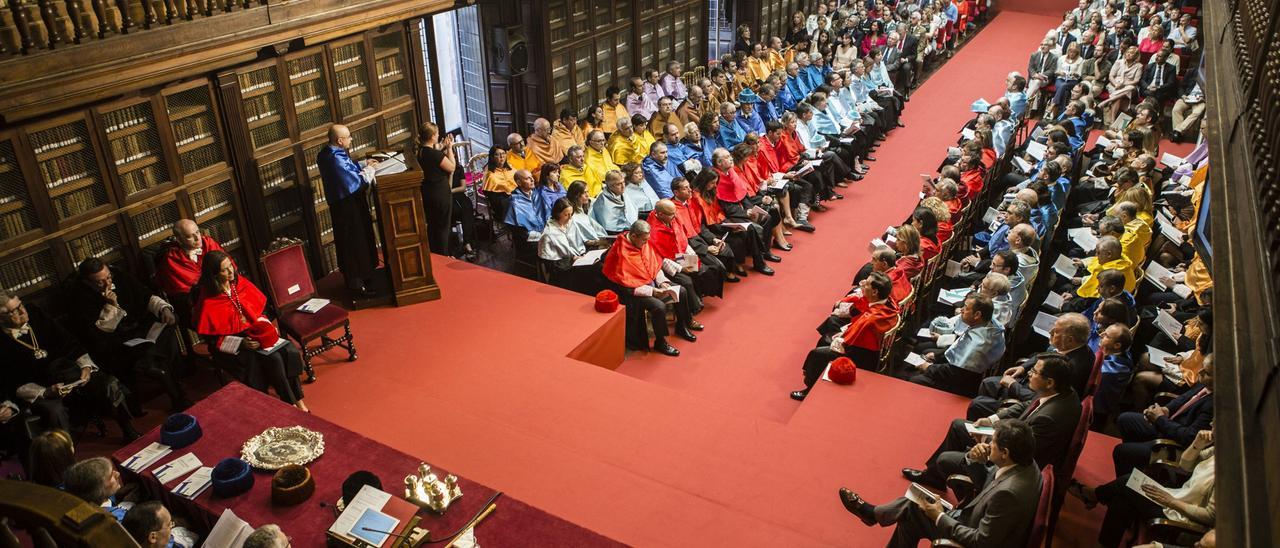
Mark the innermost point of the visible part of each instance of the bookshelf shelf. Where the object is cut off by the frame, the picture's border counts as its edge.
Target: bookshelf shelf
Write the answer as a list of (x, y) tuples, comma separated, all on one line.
[(193, 145), (61, 151)]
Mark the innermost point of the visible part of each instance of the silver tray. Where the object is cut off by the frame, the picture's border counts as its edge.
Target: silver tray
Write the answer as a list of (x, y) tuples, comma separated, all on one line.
[(276, 447)]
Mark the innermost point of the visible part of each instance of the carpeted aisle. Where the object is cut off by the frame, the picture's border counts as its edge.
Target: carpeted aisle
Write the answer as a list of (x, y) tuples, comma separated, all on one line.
[(702, 450), (749, 357)]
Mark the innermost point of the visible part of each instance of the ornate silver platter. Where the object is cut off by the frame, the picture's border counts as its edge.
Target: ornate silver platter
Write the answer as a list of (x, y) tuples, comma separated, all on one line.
[(275, 447)]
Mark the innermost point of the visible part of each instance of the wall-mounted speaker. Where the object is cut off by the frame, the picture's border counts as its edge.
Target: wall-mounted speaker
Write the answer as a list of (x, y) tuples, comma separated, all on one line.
[(510, 51)]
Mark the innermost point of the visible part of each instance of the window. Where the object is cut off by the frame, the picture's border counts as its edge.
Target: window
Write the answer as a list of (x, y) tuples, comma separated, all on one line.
[(475, 89)]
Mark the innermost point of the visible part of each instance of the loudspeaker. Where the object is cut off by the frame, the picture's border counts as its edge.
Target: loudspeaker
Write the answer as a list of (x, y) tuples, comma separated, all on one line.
[(510, 53)]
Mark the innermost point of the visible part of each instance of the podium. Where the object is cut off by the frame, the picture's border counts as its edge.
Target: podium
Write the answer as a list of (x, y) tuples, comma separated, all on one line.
[(402, 223)]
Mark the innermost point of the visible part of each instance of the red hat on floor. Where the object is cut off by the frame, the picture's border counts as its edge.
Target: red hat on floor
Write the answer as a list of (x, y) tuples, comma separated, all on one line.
[(263, 332), (606, 301), (843, 371)]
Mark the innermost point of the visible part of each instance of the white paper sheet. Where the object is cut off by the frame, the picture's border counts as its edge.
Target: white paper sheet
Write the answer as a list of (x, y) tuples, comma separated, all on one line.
[(1043, 323), (952, 270), (1156, 271), (279, 343), (1169, 325), (1023, 165), (368, 497), (176, 468), (146, 456), (229, 531), (990, 216), (924, 333), (966, 133), (1084, 238), (195, 484), (919, 494), (1035, 149), (1137, 480), (1053, 301), (946, 340), (589, 258), (1182, 290), (975, 430), (313, 305), (1065, 266), (1104, 142), (914, 360), (1171, 161), (230, 344), (953, 297)]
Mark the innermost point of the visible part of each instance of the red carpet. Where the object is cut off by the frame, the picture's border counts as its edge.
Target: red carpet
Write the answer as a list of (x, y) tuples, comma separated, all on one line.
[(705, 449)]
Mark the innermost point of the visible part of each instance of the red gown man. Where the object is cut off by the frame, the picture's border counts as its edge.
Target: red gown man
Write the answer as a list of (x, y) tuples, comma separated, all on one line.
[(874, 315), (178, 265)]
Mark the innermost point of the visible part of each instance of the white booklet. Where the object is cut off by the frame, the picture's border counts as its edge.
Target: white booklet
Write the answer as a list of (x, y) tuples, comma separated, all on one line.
[(1156, 271), (195, 484), (313, 305), (589, 258), (975, 430), (1084, 238), (146, 456), (1023, 165), (1137, 480), (1043, 323), (1171, 161), (914, 360), (952, 269), (953, 297), (1036, 149), (1065, 266), (369, 498), (1172, 371), (153, 335), (229, 531), (920, 495), (230, 344), (279, 343), (176, 468), (1053, 301), (1169, 325), (1104, 142)]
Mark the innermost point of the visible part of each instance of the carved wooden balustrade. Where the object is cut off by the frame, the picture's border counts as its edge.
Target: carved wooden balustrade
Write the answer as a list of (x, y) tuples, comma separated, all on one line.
[(29, 26)]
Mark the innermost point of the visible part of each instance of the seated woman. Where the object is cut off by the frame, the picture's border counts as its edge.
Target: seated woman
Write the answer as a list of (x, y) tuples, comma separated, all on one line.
[(499, 181), (228, 305), (637, 189), (1192, 501), (561, 245)]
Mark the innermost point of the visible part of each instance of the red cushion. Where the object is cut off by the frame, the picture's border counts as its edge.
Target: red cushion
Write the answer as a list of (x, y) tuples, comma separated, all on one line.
[(304, 327), (288, 276)]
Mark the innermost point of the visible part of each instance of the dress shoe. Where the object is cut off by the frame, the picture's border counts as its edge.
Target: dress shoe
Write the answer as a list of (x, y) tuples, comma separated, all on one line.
[(843, 184), (922, 477), (858, 507), (732, 279), (663, 348), (684, 333), (799, 395), (818, 207), (857, 176), (772, 258), (837, 197), (764, 269), (869, 158), (1176, 136), (900, 124), (784, 247), (696, 325), (130, 434), (805, 226)]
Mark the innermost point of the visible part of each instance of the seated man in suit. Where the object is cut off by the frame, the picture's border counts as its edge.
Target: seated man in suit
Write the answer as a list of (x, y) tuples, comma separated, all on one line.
[(116, 317), (999, 515), (639, 276), (960, 368), (1052, 413), (1069, 337), (1179, 421)]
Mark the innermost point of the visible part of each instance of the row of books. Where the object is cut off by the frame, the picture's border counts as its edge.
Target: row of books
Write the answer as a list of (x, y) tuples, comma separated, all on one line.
[(211, 198), (350, 79), (67, 168), (281, 205), (313, 119), (389, 66), (27, 272), (261, 106), (257, 79), (155, 221), (58, 137), (267, 134), (200, 158), (78, 201), (325, 221), (127, 117), (278, 173), (134, 146), (192, 129), (397, 125), (355, 103), (99, 243), (303, 67), (16, 223), (394, 90), (347, 55), (309, 92), (139, 180)]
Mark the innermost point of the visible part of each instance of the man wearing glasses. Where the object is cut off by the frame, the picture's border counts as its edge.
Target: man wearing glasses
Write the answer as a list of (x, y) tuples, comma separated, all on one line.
[(45, 372)]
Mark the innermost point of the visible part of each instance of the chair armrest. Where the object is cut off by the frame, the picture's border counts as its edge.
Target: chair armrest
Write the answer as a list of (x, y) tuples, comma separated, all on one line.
[(1173, 531), (1163, 398), (1166, 443), (946, 542), (1009, 403)]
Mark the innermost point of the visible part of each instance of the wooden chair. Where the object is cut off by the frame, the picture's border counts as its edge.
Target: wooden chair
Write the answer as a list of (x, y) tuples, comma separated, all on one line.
[(1067, 468), (53, 518), (289, 284), (887, 341)]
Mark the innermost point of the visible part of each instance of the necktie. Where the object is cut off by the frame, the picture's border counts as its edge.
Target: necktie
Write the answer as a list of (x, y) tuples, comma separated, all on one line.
[(1202, 393), (1159, 75), (1032, 409)]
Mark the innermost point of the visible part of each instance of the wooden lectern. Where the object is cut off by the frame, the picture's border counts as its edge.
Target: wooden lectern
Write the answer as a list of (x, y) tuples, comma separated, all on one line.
[(403, 224)]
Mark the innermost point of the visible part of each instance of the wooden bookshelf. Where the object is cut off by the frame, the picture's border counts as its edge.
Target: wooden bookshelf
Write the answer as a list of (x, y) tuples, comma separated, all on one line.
[(397, 128), (103, 239), (18, 215), (151, 222), (309, 87), (262, 104), (136, 157), (194, 129), (391, 67), (29, 271), (69, 169), (351, 77)]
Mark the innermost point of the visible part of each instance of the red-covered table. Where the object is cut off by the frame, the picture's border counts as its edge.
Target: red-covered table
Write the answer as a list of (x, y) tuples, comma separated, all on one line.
[(236, 413)]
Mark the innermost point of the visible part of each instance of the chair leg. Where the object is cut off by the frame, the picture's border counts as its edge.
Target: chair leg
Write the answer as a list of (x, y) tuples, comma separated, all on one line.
[(306, 366), (351, 341)]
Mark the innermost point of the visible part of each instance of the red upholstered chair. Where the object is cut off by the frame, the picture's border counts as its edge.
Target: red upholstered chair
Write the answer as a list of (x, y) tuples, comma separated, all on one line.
[(289, 284), (1067, 468), (1095, 376), (1044, 511)]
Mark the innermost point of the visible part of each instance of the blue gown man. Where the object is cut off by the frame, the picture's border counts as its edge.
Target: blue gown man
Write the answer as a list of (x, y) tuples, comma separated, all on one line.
[(346, 189)]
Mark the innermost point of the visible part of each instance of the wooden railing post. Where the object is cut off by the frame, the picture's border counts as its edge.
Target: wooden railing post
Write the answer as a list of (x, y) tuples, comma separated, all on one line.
[(125, 20), (75, 11), (50, 17), (100, 12), (23, 25)]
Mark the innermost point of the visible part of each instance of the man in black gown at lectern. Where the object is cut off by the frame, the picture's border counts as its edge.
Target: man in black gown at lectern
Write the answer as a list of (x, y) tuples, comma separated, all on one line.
[(346, 188)]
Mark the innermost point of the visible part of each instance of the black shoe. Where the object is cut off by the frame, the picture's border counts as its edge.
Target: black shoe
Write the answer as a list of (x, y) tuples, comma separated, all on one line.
[(818, 207), (130, 434), (857, 176), (782, 247), (837, 197), (664, 348), (732, 278), (922, 477), (695, 325), (772, 258), (799, 395), (900, 124), (805, 226), (858, 507), (764, 269), (684, 333), (869, 158), (1176, 136)]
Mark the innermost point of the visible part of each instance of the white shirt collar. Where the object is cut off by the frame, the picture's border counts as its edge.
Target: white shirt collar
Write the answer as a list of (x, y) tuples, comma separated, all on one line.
[(15, 333)]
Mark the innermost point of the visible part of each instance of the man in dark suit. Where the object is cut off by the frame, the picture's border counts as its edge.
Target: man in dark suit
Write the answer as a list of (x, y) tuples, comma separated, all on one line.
[(1052, 415), (1120, 32), (896, 61), (999, 515), (1185, 415), (1159, 78), (1064, 39), (1070, 337)]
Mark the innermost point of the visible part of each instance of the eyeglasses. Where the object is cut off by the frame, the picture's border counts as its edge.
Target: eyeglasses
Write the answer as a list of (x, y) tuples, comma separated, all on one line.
[(17, 310)]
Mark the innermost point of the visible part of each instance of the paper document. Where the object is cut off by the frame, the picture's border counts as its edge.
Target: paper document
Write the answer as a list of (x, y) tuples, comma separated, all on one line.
[(1169, 325), (176, 468), (229, 531), (135, 342), (1137, 480), (990, 216), (1035, 149), (230, 344), (279, 343), (924, 333), (153, 335), (145, 457), (369, 498), (195, 484), (1053, 301), (946, 340), (313, 305), (920, 495), (1065, 266), (1043, 323), (846, 140), (953, 152), (877, 242), (952, 269), (1182, 290), (1023, 166), (373, 526), (1169, 231), (953, 297), (975, 430), (390, 164), (1170, 160), (1172, 371), (914, 360), (691, 165), (590, 257), (1156, 271), (1084, 238), (1104, 142), (966, 133), (1122, 120)]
